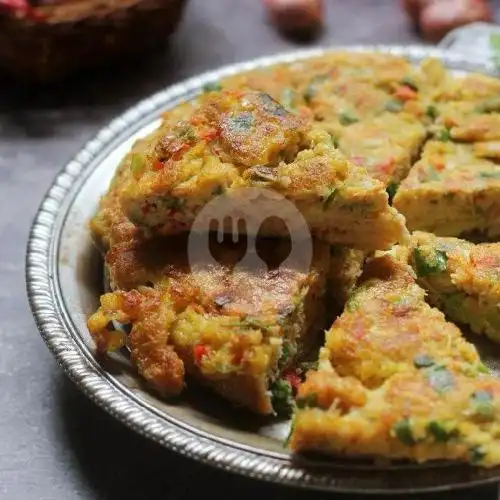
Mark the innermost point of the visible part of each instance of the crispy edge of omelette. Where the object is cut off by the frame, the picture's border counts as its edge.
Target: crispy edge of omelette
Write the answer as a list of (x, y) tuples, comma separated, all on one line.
[(236, 331), (432, 413), (461, 278)]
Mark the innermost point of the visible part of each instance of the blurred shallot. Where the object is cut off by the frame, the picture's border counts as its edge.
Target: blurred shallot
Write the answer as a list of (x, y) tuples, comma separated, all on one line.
[(296, 16), (441, 16)]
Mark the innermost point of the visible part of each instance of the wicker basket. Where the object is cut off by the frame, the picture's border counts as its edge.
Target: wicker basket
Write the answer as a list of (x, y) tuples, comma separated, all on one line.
[(54, 41)]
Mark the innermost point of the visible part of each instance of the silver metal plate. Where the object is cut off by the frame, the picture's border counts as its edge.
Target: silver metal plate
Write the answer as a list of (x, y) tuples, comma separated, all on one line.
[(64, 281)]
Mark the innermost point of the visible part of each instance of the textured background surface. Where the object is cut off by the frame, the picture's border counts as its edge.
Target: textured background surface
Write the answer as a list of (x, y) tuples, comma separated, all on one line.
[(54, 444)]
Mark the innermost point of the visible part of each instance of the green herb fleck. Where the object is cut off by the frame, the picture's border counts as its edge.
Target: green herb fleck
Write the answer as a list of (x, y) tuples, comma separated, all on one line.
[(444, 135), (392, 189), (242, 122), (288, 97), (495, 49), (282, 397), (394, 106), (212, 87), (491, 105), (307, 401), (312, 88), (432, 111), (476, 454), (482, 404), (352, 304), (286, 354), (137, 164), (409, 82), (254, 323), (490, 175), (440, 379), (402, 430), (440, 433), (334, 140), (187, 133), (482, 368), (329, 197), (428, 264), (423, 361), (347, 118)]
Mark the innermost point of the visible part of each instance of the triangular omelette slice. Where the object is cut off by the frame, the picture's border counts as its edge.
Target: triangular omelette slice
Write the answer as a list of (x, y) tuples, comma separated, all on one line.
[(396, 380), (237, 328), (461, 278), (230, 140)]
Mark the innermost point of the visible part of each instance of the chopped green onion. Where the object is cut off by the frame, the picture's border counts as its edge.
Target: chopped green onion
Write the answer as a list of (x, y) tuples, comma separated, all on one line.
[(482, 368), (346, 118), (402, 430), (137, 164), (476, 454), (432, 111), (444, 135), (409, 82), (212, 87), (282, 397), (440, 433), (495, 49), (288, 98), (253, 323), (392, 189), (489, 106), (427, 265), (490, 175)]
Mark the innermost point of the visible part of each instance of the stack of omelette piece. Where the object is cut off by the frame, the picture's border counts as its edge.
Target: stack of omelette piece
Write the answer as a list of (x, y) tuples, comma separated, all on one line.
[(342, 137)]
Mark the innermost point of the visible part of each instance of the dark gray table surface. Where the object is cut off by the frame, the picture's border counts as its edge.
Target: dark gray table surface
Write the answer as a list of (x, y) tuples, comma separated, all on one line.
[(54, 444)]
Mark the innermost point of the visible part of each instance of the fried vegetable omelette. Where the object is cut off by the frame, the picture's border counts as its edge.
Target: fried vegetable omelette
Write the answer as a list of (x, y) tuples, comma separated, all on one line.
[(397, 380), (343, 136), (239, 139)]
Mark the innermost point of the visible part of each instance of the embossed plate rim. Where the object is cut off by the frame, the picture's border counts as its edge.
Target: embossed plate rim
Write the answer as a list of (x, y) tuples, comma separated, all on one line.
[(49, 310)]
